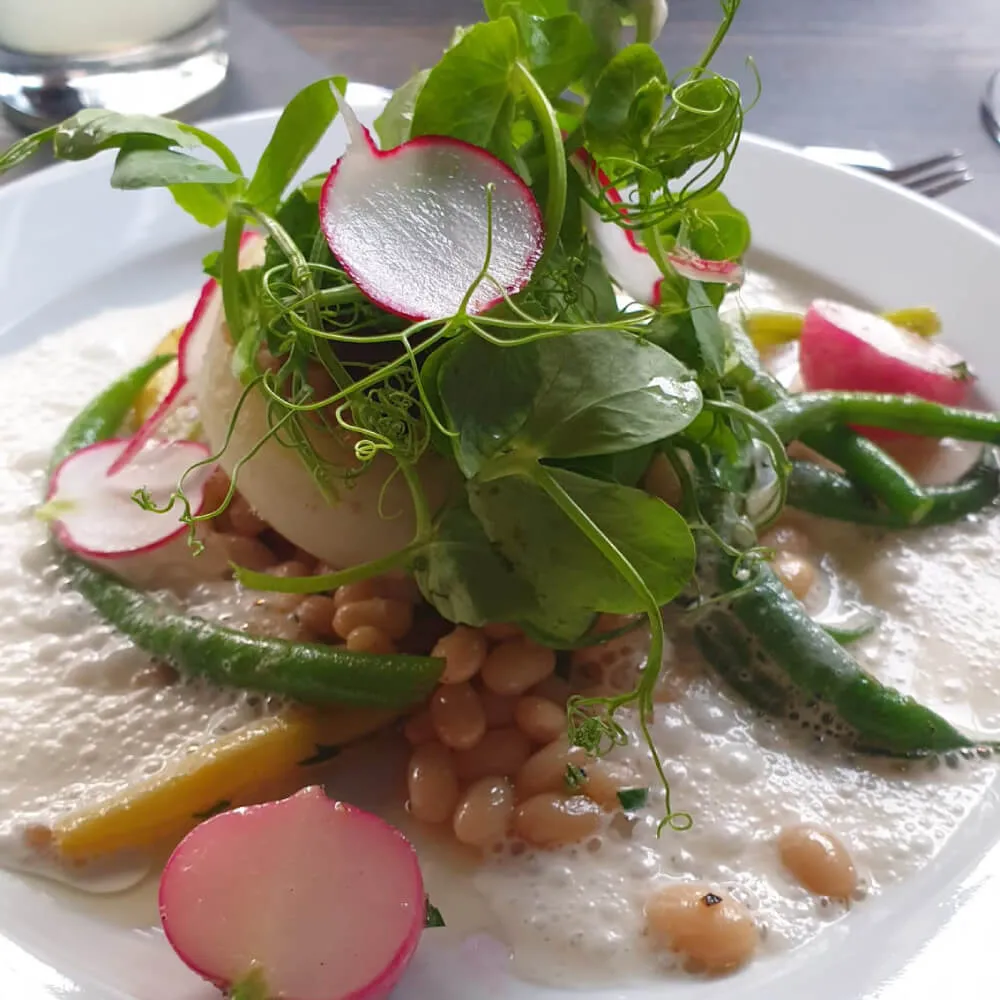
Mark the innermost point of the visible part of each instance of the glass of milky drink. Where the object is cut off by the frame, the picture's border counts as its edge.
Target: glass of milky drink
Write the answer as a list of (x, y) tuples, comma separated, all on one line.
[(149, 56)]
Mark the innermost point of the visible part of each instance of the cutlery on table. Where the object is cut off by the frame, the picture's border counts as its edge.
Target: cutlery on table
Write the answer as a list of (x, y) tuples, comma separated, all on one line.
[(932, 176)]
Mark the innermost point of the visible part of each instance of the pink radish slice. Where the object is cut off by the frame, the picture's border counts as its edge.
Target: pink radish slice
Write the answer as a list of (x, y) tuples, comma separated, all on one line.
[(629, 263), (318, 899), (410, 225), (626, 259), (689, 265), (849, 349), (191, 349), (92, 508)]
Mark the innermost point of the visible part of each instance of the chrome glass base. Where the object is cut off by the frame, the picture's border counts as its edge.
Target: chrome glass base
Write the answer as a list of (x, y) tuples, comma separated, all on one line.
[(154, 79), (990, 107)]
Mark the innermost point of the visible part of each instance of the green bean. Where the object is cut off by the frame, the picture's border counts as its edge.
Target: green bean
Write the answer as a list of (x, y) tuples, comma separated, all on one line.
[(102, 417), (762, 390), (884, 720), (878, 473), (820, 491), (311, 673), (726, 647), (910, 414), (844, 635), (865, 463)]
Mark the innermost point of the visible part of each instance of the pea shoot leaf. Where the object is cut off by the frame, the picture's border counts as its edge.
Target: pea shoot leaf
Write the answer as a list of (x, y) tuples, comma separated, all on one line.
[(626, 102), (143, 168), (298, 215), (711, 333), (604, 20), (466, 577), (302, 124), (625, 467), (394, 125), (465, 92), (593, 393), (204, 190), (92, 130), (535, 8), (715, 229), (153, 152), (703, 120), (25, 148), (557, 49), (568, 572)]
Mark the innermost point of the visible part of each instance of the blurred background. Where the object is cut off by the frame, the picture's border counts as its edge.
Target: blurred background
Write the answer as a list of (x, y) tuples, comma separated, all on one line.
[(901, 76)]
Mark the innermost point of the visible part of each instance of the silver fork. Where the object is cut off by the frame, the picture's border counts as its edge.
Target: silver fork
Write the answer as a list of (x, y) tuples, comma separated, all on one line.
[(932, 177)]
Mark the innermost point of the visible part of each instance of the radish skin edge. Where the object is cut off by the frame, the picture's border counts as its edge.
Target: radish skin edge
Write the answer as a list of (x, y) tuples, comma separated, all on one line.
[(316, 899), (412, 225)]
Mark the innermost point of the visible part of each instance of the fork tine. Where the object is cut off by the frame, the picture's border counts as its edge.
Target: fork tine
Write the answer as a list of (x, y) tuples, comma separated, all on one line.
[(910, 170), (922, 181), (942, 183)]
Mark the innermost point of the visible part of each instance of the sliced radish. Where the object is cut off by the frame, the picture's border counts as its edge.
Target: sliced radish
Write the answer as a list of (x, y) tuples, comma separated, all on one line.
[(191, 350), (309, 898), (689, 265), (411, 225), (91, 507), (849, 349), (626, 259), (629, 262)]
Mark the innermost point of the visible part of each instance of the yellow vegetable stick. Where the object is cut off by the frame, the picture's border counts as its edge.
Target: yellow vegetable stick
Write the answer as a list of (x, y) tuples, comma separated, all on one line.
[(233, 769), (921, 320), (771, 329), (159, 385)]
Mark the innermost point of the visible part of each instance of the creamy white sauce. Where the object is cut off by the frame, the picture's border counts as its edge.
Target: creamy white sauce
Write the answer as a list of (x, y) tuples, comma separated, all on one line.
[(576, 915), (84, 713), (83, 717)]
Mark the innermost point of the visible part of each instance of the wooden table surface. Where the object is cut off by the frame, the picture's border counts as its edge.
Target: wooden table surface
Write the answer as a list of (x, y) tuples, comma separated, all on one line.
[(902, 76)]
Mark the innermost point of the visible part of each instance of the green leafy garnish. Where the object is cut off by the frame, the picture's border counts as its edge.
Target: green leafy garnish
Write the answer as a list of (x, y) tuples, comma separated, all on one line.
[(633, 799), (546, 410), (220, 807), (324, 752), (576, 777), (433, 916)]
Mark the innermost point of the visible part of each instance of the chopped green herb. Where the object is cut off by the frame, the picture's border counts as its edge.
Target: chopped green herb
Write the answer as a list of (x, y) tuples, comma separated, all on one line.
[(433, 916), (575, 777), (324, 752), (633, 799), (220, 807)]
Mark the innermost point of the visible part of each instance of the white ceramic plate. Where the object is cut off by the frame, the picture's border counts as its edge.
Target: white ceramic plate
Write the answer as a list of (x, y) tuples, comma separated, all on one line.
[(70, 246)]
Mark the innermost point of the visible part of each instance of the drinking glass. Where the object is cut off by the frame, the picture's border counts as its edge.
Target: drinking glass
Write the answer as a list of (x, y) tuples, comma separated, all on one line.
[(151, 56), (991, 106)]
